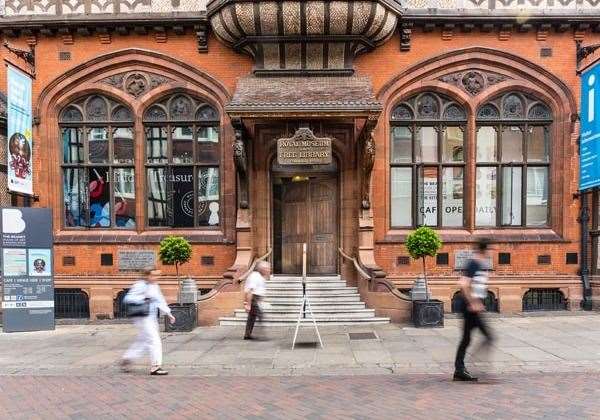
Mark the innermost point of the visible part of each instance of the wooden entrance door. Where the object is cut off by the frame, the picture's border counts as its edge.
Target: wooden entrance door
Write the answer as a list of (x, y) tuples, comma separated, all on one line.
[(309, 215)]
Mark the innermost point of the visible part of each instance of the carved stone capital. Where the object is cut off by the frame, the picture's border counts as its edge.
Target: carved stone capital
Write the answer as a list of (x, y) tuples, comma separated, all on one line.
[(367, 147)]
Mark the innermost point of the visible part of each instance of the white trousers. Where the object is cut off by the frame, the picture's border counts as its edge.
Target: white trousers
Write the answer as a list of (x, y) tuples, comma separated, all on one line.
[(147, 340)]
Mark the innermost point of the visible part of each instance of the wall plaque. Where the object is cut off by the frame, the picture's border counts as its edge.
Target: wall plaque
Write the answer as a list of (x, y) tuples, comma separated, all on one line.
[(136, 260), (304, 148), (462, 257)]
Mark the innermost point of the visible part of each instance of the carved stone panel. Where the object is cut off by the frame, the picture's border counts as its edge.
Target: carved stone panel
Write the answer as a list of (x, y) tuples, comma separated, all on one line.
[(136, 83), (473, 81)]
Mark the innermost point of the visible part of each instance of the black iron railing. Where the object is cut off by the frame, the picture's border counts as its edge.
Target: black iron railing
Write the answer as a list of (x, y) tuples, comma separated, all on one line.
[(71, 303)]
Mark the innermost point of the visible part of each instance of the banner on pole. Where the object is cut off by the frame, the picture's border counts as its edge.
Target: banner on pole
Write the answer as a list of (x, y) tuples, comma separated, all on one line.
[(589, 163), (19, 130)]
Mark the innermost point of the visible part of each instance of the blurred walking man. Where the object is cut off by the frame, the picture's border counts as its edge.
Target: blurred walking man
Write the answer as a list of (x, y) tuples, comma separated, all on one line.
[(148, 339), (473, 291), (255, 290)]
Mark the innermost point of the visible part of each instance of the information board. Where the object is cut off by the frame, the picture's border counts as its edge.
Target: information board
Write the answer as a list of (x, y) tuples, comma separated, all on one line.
[(27, 269), (589, 159)]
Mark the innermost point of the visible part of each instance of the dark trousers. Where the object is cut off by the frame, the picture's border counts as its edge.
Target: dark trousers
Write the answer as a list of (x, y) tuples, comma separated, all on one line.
[(254, 313), (472, 320)]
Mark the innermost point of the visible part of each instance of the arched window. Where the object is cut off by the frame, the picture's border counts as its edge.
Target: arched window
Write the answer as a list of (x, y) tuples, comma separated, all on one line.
[(98, 163), (427, 162), (182, 163), (513, 160)]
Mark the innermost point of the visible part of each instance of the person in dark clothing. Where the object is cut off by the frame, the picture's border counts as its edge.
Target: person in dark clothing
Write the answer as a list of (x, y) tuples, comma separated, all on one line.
[(473, 291)]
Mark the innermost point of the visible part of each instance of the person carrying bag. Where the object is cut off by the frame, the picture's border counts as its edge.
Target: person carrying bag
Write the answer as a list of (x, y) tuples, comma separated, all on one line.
[(143, 301)]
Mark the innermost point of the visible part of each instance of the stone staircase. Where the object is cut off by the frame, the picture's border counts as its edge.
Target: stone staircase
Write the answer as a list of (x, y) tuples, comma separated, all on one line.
[(332, 302)]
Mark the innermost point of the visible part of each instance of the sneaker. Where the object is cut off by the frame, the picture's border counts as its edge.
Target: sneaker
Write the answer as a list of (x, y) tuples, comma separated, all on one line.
[(159, 372), (125, 365), (464, 376), (248, 337)]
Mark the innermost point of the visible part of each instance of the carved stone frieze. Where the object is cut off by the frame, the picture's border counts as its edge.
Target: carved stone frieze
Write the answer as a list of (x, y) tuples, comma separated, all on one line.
[(136, 83), (473, 81), (240, 160), (367, 145)]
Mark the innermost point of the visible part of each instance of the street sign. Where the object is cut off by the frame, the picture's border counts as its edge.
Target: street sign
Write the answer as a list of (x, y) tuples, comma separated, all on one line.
[(589, 158), (27, 269)]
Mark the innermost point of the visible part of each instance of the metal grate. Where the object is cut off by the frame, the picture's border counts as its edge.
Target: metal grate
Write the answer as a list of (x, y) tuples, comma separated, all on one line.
[(544, 259), (119, 309), (544, 300), (572, 258), (363, 336), (207, 260), (403, 260), (71, 303), (68, 260), (490, 303), (504, 258), (442, 259), (545, 52), (106, 259)]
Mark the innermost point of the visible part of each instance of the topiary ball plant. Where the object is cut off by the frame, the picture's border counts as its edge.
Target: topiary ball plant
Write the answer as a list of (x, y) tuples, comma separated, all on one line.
[(175, 250), (423, 242)]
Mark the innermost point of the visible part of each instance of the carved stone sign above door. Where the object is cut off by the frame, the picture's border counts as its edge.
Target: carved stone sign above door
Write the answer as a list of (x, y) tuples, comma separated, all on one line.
[(304, 148)]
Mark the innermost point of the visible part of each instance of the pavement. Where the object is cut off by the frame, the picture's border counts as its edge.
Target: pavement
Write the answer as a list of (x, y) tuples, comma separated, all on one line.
[(524, 345), (541, 367)]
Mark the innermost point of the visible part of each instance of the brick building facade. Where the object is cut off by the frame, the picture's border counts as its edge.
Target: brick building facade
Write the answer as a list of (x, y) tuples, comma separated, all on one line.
[(163, 117)]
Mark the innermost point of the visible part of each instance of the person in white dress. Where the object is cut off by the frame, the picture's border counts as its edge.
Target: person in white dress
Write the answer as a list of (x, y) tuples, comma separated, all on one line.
[(148, 338)]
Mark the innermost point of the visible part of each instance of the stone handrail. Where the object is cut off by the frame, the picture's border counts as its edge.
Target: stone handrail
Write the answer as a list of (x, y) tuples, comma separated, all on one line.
[(375, 281), (253, 266)]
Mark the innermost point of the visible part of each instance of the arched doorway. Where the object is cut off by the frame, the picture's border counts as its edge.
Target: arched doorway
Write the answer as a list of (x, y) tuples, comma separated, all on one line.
[(305, 210)]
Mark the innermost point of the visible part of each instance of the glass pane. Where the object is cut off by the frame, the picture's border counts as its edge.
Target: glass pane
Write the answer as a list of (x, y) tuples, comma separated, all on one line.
[(72, 145), (537, 145), (401, 205), (452, 194), (98, 145), (157, 197), (511, 196), (183, 143), (74, 197), (182, 181), (428, 188), (207, 148), (452, 144), (426, 142), (123, 145), (401, 145), (537, 196), (156, 144), (208, 197), (99, 192), (485, 200), (124, 193), (487, 138), (512, 144)]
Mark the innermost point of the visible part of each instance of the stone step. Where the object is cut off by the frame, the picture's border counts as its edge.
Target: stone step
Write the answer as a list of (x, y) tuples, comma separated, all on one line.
[(313, 299), (311, 291), (334, 306), (293, 285), (312, 279), (270, 314), (288, 322)]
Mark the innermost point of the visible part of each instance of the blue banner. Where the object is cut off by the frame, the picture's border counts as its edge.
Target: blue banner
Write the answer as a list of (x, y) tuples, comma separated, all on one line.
[(589, 163), (19, 130)]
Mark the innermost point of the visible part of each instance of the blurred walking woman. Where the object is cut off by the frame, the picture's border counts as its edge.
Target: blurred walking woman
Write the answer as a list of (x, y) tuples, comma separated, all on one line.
[(146, 293)]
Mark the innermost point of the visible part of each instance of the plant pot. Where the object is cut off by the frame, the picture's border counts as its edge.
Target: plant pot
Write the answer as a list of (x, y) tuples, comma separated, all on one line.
[(428, 314), (185, 317)]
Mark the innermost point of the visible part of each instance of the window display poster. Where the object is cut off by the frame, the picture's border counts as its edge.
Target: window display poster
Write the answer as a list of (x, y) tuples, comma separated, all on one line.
[(589, 165), (19, 131), (27, 276)]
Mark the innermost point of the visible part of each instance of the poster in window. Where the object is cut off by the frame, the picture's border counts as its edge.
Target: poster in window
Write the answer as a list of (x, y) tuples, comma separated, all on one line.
[(19, 132), (99, 193), (182, 180)]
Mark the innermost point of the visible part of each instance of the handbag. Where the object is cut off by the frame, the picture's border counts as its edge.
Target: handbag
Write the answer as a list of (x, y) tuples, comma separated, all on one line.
[(138, 309)]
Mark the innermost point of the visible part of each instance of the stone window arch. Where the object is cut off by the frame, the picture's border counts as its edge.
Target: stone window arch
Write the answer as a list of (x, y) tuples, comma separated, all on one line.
[(182, 162), (98, 155), (513, 161), (427, 162)]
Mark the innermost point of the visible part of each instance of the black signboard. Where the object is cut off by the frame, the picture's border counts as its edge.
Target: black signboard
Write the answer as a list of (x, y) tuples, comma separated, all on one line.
[(27, 269)]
